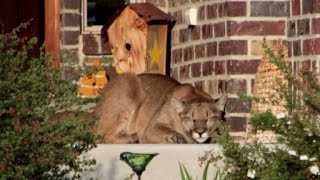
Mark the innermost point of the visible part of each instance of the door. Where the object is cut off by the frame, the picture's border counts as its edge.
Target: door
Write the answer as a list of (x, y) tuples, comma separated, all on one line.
[(14, 12)]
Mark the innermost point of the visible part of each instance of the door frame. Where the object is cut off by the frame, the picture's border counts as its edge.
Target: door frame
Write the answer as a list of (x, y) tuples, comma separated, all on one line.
[(52, 30)]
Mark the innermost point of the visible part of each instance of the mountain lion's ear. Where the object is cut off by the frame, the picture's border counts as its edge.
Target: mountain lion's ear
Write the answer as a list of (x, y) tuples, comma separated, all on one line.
[(221, 102), (177, 104)]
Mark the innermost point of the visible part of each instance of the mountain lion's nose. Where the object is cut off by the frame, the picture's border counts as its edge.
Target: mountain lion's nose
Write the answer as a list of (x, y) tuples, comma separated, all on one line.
[(200, 132)]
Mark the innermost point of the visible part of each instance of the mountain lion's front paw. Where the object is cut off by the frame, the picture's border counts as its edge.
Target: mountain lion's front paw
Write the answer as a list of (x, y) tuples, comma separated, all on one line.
[(175, 139)]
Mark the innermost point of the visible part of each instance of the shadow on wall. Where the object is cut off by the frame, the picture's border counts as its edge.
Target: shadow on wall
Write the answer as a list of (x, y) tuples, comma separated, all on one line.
[(100, 172)]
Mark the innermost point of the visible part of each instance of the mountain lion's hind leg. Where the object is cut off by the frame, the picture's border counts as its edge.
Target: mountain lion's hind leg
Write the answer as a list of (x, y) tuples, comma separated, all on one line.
[(115, 134), (113, 128)]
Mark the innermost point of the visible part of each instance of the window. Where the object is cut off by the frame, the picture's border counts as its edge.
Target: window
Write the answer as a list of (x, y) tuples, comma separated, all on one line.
[(96, 13)]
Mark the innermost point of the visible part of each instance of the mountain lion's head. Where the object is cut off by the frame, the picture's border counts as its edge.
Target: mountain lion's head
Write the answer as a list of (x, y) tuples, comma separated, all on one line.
[(199, 117), (200, 120)]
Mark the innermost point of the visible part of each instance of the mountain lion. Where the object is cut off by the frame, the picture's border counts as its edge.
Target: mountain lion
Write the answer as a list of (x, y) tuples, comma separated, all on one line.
[(153, 108)]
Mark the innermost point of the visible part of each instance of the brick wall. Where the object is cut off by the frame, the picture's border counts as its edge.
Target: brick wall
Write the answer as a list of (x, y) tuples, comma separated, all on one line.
[(80, 47), (304, 34), (221, 53)]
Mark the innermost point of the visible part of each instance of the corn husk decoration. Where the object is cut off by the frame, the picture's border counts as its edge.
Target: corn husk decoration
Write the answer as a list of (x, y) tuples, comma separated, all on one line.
[(269, 80), (91, 84)]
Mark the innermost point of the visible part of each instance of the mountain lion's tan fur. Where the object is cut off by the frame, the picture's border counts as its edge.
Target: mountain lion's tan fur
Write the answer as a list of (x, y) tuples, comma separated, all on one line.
[(150, 108)]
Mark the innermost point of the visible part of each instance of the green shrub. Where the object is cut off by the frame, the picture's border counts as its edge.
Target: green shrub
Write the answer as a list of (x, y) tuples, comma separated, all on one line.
[(296, 155), (33, 146), (264, 121)]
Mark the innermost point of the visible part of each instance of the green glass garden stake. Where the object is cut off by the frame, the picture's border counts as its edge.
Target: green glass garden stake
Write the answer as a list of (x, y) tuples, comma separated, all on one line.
[(137, 161)]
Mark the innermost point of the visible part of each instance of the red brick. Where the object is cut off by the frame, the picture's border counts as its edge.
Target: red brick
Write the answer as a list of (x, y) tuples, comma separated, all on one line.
[(195, 33), (238, 106), (222, 86), (212, 49), (292, 28), (72, 4), (70, 19), (212, 11), (184, 35), (303, 27), (219, 29), (185, 72), (309, 47), (271, 9), (304, 66), (295, 7), (188, 53), (235, 86), (219, 67), (196, 70), (222, 9), (316, 6), (316, 26), (235, 47), (232, 9), (296, 48), (70, 37), (200, 51), (236, 9), (90, 44), (207, 68), (242, 66), (207, 31), (310, 6), (176, 56), (199, 85), (307, 6), (201, 13), (237, 124), (256, 28)]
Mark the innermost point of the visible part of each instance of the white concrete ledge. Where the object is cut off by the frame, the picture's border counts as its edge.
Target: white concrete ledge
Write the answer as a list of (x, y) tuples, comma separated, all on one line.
[(164, 166)]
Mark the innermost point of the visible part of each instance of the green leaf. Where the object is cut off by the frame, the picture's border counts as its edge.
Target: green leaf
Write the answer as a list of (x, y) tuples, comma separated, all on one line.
[(184, 171), (181, 172), (205, 171), (187, 173)]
